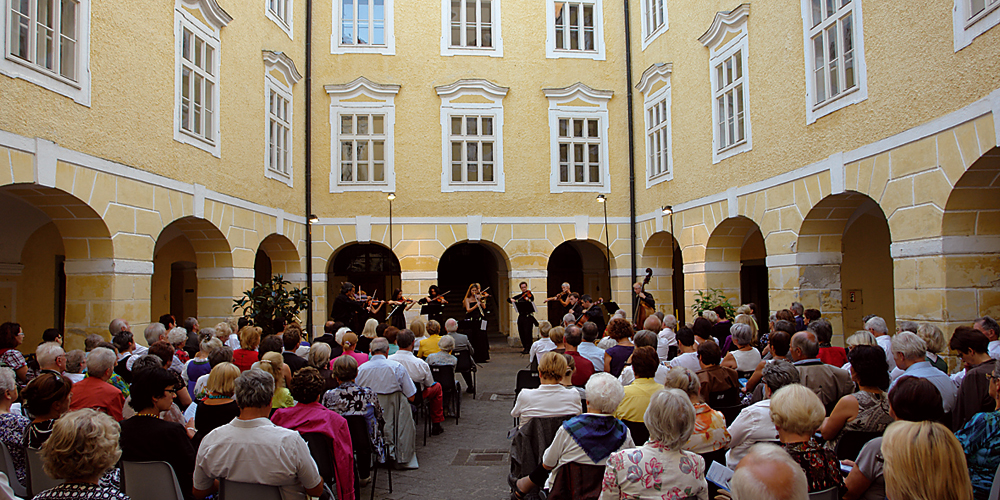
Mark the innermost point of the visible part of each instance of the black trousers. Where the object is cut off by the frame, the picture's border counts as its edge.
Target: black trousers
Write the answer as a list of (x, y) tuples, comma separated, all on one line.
[(525, 324)]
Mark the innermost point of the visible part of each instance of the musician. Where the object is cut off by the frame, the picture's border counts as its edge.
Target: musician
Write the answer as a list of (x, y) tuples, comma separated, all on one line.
[(525, 316), (346, 308), (434, 296), (574, 306), (640, 300), (398, 304), (475, 313), (562, 297), (592, 311)]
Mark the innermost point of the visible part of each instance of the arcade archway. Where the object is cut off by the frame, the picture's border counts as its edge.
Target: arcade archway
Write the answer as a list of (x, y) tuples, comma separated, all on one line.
[(477, 262), (584, 265), (371, 267)]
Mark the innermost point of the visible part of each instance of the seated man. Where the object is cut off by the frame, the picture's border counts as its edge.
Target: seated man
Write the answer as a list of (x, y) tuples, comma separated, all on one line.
[(910, 353), (95, 391), (251, 449), (542, 345), (769, 474), (714, 377), (828, 382), (420, 373), (461, 340), (393, 385), (588, 348)]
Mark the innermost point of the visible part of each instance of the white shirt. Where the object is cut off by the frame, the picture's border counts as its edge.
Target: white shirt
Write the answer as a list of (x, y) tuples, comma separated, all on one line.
[(385, 376), (234, 341), (667, 339), (593, 353), (137, 353), (747, 361), (564, 450), (688, 360), (74, 377), (257, 451), (753, 425), (549, 400), (994, 349), (418, 369), (885, 342), (542, 346), (628, 375), (199, 385)]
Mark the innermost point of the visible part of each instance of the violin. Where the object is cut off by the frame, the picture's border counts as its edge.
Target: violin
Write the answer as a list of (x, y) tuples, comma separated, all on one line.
[(438, 298), (583, 317)]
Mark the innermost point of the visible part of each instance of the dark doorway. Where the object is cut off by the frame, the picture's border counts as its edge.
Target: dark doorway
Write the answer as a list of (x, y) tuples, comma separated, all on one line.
[(370, 267), (753, 288), (584, 266), (261, 267), (678, 282), (466, 263), (184, 289)]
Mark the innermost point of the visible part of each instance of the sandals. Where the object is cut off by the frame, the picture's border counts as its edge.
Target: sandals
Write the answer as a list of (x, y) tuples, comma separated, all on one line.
[(515, 493)]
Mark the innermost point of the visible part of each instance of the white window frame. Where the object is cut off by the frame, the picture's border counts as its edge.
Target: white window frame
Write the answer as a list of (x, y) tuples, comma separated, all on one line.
[(655, 87), (386, 49), (472, 97), (15, 67), (816, 110), (649, 35), (362, 96), (968, 26), (185, 18), (575, 102), (280, 75), (551, 52), (286, 22), (449, 50), (727, 36)]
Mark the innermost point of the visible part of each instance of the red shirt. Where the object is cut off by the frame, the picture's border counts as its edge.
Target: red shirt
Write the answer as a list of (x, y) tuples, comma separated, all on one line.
[(835, 356), (95, 393), (584, 369), (245, 358)]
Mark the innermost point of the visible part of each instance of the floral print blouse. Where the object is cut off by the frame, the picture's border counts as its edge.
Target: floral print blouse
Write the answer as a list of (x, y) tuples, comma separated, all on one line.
[(653, 471), (980, 438), (709, 432), (819, 463), (352, 399)]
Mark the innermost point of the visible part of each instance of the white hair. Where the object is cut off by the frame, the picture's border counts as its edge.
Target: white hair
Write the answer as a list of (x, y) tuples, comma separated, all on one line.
[(117, 325), (568, 319), (767, 459), (619, 314), (100, 360), (604, 393), (742, 334), (670, 418), (380, 345), (177, 335), (153, 332), (339, 336), (670, 321), (910, 345), (451, 325), (877, 324), (47, 353), (7, 382)]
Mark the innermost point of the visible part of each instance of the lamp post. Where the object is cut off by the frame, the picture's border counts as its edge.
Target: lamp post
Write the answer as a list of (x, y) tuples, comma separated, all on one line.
[(312, 219), (603, 200), (390, 197)]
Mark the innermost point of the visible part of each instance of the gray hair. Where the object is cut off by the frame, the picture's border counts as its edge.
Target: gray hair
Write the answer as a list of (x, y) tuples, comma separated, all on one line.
[(670, 418), (806, 341), (177, 335), (670, 321), (254, 389), (684, 379), (750, 482), (911, 346), (75, 360), (742, 334), (447, 343), (907, 326), (7, 382), (877, 325), (861, 337), (779, 373), (209, 344), (47, 353), (117, 325), (645, 338), (100, 360), (604, 393), (153, 331), (797, 308), (319, 355), (933, 336), (451, 325), (568, 319), (379, 344)]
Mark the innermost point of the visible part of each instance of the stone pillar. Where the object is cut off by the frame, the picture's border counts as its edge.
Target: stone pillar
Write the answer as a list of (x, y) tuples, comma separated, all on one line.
[(100, 290)]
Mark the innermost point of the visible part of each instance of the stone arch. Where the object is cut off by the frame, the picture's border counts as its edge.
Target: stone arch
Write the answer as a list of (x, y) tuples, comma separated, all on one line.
[(735, 261), (482, 262), (275, 255), (193, 272), (584, 264), (370, 266), (662, 254)]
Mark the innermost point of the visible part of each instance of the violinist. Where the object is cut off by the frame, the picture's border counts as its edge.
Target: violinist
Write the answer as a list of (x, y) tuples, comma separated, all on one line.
[(524, 302), (562, 298), (475, 321), (398, 305), (435, 297), (592, 311), (574, 305), (346, 307)]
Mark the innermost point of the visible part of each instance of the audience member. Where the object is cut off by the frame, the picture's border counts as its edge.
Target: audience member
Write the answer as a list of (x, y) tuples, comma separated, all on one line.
[(51, 358), (329, 338), (797, 412), (83, 446), (721, 328), (429, 345), (221, 355), (828, 382), (584, 369), (924, 461), (754, 424), (934, 339), (661, 463), (461, 340), (12, 425), (866, 410), (348, 398), (76, 363), (780, 341), (95, 391), (769, 474), (124, 343), (910, 354), (420, 373), (199, 365), (394, 387), (12, 336), (247, 355), (829, 354), (687, 349), (550, 399), (443, 357), (273, 364), (620, 330), (974, 392), (878, 328), (860, 337), (193, 342), (46, 399), (588, 347), (638, 393), (988, 326), (745, 357), (368, 332), (644, 338), (666, 345), (980, 439), (709, 432), (177, 338), (218, 408), (251, 449), (702, 329), (290, 341), (319, 358), (714, 377), (224, 332), (349, 343), (390, 334), (275, 344)]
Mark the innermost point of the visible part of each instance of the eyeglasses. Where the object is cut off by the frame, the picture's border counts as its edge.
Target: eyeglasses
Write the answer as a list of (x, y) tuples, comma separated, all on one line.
[(991, 377)]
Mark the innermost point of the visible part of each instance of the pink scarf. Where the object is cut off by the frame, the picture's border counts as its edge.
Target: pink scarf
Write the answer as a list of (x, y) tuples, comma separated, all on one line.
[(314, 417)]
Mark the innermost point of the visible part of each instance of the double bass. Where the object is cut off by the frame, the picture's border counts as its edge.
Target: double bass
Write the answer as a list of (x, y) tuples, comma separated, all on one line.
[(642, 310)]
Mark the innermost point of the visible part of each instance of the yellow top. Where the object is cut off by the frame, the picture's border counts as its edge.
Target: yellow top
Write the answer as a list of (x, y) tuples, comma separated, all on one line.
[(637, 395), (428, 346)]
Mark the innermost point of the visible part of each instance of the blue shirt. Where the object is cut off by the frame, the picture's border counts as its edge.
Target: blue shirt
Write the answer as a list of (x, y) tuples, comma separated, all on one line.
[(385, 376), (944, 384), (593, 353), (980, 439)]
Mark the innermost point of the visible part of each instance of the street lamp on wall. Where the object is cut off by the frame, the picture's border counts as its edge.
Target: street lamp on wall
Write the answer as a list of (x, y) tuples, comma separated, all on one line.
[(603, 200)]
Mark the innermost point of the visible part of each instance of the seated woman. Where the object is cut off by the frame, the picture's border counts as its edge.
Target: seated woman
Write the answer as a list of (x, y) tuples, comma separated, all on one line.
[(980, 439), (661, 465), (444, 357), (145, 437), (860, 337), (780, 341), (309, 416), (714, 377), (274, 364), (586, 439), (350, 398), (319, 358), (551, 398), (797, 412), (754, 425), (934, 338), (218, 408), (82, 447), (746, 357), (246, 355), (349, 343), (867, 410), (620, 330), (46, 399), (643, 338), (709, 432), (923, 460), (12, 425), (637, 394)]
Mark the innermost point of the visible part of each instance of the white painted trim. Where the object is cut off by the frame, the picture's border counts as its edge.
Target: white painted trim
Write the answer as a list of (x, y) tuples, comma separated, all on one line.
[(804, 259), (474, 227), (655, 73), (281, 62), (725, 22), (964, 31), (527, 274), (389, 49), (463, 220), (717, 55), (946, 245), (224, 273), (9, 269), (295, 277), (363, 228), (279, 222), (80, 90), (271, 83), (560, 106), (286, 25), (620, 272), (211, 36), (198, 207), (838, 174), (213, 12), (581, 225), (45, 162), (731, 202), (109, 266), (846, 98), (491, 92), (447, 50), (712, 267), (550, 34), (382, 100), (648, 38), (418, 275)]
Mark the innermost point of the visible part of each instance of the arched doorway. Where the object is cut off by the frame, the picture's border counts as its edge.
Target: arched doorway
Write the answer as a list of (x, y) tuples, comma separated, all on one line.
[(735, 263), (477, 262), (192, 276), (662, 254), (275, 255), (371, 267), (584, 265), (845, 240)]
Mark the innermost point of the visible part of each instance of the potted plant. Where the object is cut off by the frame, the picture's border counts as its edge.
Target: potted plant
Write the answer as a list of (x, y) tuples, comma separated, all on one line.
[(272, 300)]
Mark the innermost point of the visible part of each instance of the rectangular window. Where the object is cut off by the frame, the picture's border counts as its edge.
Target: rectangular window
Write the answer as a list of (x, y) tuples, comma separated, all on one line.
[(579, 151), (198, 81), (472, 141), (654, 12), (833, 57), (657, 139), (362, 148), (729, 102), (471, 23), (44, 33), (574, 26), (362, 22), (280, 9), (279, 133), (978, 7)]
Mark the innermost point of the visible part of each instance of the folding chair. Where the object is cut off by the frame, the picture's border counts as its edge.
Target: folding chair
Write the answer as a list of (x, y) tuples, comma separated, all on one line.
[(363, 450), (321, 449), (150, 481), (827, 494), (38, 480), (526, 379), (445, 375), (235, 490), (9, 469), (467, 367), (574, 481), (640, 434), (995, 490), (850, 444), (421, 409)]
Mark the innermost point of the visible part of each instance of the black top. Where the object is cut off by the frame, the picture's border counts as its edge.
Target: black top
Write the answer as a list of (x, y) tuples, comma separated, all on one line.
[(344, 308), (720, 330), (294, 361), (121, 368), (523, 303), (37, 433), (147, 439), (208, 417), (397, 316), (364, 343), (595, 315), (192, 346), (648, 300)]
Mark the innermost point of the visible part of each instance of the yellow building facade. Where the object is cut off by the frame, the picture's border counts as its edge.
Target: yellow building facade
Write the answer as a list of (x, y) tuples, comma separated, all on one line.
[(842, 155)]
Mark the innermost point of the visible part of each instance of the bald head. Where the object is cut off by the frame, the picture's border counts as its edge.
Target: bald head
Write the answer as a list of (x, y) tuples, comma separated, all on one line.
[(652, 324), (451, 325), (804, 345), (768, 473)]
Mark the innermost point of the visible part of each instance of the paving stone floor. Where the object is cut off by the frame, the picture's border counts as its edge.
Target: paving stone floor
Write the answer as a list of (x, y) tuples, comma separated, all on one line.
[(470, 460)]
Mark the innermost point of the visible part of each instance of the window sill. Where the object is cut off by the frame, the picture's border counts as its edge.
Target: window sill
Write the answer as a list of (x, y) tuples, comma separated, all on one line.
[(185, 137), (982, 15), (817, 108), (15, 67), (731, 147)]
